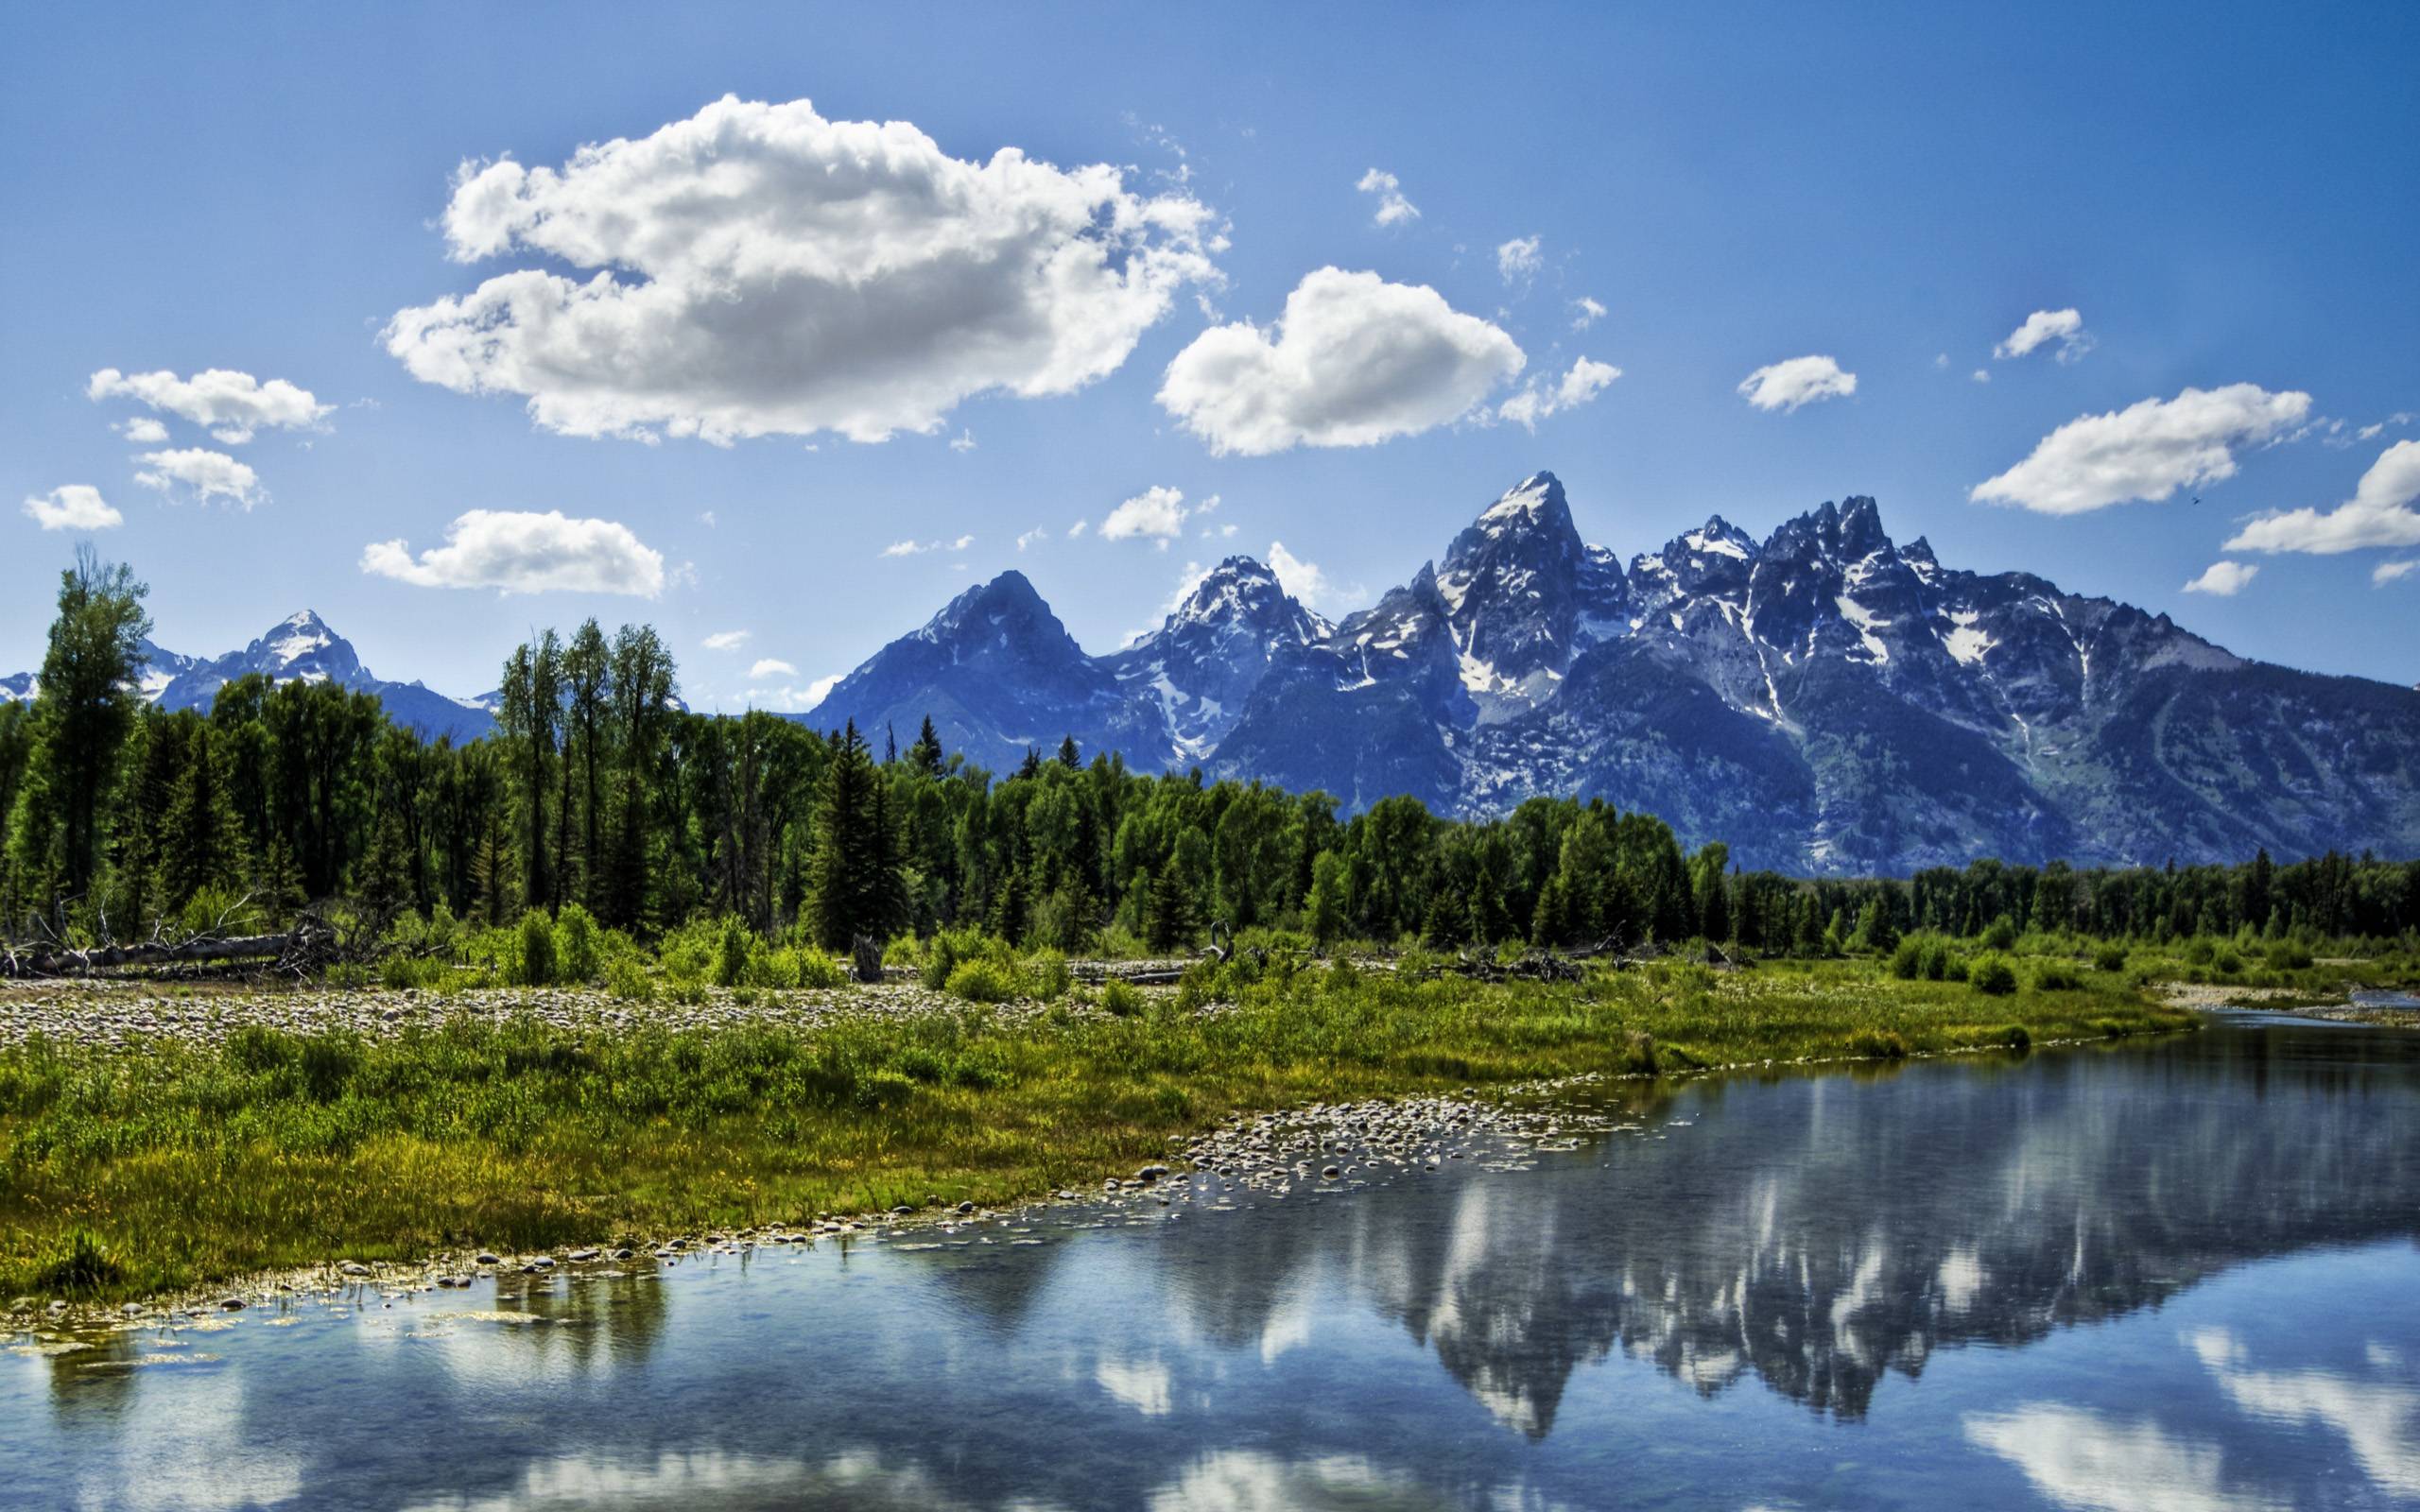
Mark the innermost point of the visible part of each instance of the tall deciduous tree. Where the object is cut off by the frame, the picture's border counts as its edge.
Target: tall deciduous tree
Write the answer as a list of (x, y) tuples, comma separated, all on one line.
[(85, 709)]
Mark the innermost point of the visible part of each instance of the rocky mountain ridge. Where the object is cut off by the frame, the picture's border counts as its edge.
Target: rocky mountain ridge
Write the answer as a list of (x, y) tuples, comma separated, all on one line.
[(299, 648), (1826, 699)]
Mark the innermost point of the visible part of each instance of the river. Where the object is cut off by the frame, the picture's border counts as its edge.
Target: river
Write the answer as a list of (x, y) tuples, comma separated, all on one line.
[(2178, 1275)]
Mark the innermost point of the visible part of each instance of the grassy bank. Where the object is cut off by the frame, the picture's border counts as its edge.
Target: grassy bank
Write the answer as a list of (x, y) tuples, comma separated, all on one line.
[(131, 1171)]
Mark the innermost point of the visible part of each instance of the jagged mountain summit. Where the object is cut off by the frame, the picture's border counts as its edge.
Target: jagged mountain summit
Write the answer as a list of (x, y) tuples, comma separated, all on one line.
[(299, 648), (997, 673), (1826, 699), (1212, 649)]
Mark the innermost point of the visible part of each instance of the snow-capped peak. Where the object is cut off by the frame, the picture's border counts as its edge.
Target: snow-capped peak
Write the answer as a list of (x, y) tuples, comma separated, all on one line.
[(297, 636), (1540, 492)]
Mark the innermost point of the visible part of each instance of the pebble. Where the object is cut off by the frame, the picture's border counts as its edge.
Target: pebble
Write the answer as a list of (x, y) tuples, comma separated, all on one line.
[(120, 1013)]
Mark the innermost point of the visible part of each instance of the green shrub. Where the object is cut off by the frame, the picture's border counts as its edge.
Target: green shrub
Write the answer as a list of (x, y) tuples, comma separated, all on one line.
[(1046, 976), (2016, 1036), (731, 960), (1907, 958), (1123, 999), (410, 971), (2001, 935), (79, 1268), (1937, 960), (816, 967), (2109, 959), (945, 950), (1992, 977), (575, 944), (2226, 962), (2288, 955), (627, 980), (534, 964), (2051, 976), (2200, 952), (1954, 968), (980, 980)]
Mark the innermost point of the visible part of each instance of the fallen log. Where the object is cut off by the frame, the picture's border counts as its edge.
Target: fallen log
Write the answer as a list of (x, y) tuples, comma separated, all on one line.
[(61, 961)]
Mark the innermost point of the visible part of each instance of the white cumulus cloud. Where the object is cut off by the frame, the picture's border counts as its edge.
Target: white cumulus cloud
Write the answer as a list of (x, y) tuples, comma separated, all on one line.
[(2146, 451), (1589, 312), (141, 430), (1583, 382), (2387, 572), (1156, 514), (1519, 260), (2380, 513), (524, 552), (1303, 580), (2065, 327), (2224, 580), (1354, 360), (1037, 534), (233, 405), (206, 474), (727, 640), (1786, 385), (72, 507), (757, 270), (1393, 209), (771, 666)]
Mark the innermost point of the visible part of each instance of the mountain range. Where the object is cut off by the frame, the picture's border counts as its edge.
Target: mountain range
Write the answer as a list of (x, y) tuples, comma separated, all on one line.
[(1826, 699), (299, 648)]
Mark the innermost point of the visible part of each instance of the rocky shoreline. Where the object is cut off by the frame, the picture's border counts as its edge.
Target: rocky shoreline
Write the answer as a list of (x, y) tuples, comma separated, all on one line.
[(108, 1014)]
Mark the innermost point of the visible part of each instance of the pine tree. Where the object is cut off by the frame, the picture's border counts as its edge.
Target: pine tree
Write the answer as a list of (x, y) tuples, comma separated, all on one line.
[(925, 755), (204, 846), (1167, 912), (855, 886)]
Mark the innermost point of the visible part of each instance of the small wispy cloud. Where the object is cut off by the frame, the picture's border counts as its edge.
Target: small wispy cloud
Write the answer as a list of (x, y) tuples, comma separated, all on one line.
[(918, 548), (1393, 209)]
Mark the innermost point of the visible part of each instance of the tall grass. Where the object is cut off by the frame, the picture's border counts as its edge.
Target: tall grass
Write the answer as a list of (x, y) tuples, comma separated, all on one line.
[(182, 1164)]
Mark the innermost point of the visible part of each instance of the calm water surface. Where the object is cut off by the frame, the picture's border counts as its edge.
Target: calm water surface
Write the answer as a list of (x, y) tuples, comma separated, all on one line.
[(2175, 1276)]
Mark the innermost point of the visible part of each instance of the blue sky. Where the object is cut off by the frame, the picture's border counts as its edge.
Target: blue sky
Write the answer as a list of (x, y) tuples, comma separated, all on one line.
[(2226, 195)]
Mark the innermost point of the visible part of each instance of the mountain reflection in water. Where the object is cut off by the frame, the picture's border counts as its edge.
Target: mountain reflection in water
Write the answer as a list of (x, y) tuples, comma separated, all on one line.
[(2178, 1274)]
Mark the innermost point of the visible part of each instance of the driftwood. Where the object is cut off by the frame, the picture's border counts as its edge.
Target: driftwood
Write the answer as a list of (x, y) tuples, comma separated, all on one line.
[(64, 960), (312, 943), (865, 958)]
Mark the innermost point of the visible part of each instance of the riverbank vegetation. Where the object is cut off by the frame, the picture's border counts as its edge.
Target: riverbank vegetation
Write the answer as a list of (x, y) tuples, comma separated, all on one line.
[(167, 1164)]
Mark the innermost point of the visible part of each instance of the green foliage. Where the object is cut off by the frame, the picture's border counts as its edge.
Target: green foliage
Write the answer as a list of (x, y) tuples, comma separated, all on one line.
[(533, 961), (82, 1267), (980, 981), (1120, 999), (2001, 935), (276, 1148), (1044, 975), (1991, 976), (2109, 959), (731, 956), (2054, 977), (628, 981), (577, 945)]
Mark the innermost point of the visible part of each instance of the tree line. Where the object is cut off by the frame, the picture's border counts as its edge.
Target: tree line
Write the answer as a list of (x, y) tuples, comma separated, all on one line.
[(599, 789)]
